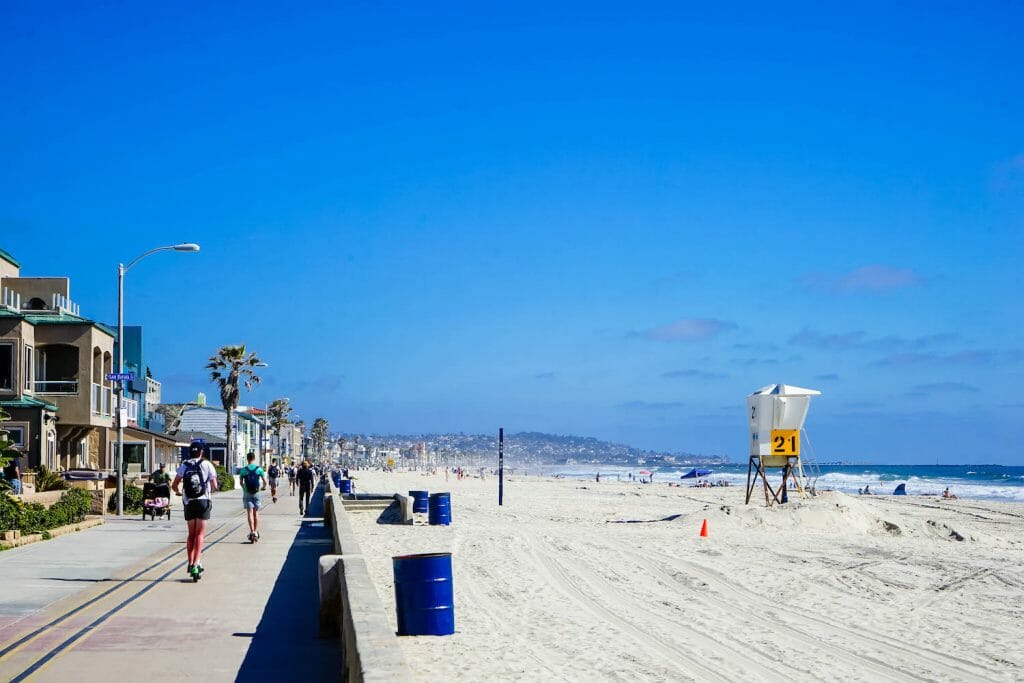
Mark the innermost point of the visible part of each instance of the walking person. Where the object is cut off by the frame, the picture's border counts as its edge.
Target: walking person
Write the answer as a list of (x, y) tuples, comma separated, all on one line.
[(307, 478), (273, 474), (200, 479), (253, 480), (161, 475), (291, 480)]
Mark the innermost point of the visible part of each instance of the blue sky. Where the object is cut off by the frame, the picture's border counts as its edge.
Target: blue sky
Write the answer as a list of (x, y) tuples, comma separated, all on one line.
[(575, 218)]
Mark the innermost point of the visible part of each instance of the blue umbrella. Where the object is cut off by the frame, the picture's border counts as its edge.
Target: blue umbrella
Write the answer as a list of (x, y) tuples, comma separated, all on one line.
[(694, 473)]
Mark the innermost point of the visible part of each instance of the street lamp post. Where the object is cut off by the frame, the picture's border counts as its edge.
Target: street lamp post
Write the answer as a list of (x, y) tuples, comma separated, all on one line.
[(121, 270)]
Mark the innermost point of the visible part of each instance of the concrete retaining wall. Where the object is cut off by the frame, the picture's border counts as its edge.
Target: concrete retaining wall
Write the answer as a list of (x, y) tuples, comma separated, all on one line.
[(350, 607)]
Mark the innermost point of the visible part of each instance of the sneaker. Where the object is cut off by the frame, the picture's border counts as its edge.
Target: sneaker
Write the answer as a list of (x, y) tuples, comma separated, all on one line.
[(257, 534), (200, 568), (195, 572), (274, 499), (189, 570)]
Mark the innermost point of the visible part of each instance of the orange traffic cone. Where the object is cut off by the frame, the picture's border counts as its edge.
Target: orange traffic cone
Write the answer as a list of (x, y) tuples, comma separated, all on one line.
[(704, 529)]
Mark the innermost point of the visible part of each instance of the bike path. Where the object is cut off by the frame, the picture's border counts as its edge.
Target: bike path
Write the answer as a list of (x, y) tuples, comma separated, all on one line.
[(124, 602)]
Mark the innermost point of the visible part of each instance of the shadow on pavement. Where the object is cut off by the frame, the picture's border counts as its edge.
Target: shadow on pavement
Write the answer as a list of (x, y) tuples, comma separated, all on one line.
[(285, 644)]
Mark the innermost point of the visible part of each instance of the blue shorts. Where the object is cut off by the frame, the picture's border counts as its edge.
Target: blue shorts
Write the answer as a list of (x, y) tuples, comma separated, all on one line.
[(251, 501)]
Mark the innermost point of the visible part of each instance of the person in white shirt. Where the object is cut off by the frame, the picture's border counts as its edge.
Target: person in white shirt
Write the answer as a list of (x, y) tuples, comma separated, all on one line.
[(200, 480)]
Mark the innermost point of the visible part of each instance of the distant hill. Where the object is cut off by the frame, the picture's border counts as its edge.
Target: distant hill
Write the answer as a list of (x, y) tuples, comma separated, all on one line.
[(536, 447)]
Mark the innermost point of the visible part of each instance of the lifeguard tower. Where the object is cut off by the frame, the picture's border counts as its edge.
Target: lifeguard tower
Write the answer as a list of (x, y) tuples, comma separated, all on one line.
[(777, 413)]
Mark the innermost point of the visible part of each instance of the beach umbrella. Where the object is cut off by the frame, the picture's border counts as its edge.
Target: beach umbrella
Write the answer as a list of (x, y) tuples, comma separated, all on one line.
[(696, 472), (645, 473)]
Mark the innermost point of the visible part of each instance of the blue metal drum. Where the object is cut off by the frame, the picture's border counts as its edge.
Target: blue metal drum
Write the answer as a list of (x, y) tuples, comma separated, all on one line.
[(424, 594), (440, 509), (420, 502), (346, 487)]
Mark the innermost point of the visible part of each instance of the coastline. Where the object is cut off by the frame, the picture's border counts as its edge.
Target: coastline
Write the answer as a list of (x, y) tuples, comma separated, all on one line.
[(574, 579)]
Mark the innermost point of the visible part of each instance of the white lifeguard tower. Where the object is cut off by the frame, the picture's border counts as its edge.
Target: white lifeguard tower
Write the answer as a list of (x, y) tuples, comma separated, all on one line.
[(777, 413)]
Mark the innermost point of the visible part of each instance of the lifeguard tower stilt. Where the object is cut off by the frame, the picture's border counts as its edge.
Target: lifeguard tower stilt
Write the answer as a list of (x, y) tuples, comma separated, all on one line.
[(772, 495), (777, 413)]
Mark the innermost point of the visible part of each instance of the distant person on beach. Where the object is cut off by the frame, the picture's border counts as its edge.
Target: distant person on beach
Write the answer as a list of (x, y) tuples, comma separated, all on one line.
[(867, 489), (948, 494)]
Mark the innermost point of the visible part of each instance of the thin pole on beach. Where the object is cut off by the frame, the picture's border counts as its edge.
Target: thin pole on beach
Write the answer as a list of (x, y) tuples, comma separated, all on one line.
[(501, 464)]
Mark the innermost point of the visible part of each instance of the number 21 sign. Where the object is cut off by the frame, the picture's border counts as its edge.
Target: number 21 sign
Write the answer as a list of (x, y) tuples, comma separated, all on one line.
[(785, 442)]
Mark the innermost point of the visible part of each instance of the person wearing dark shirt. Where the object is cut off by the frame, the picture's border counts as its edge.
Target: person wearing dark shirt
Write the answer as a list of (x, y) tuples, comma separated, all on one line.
[(12, 473), (306, 478)]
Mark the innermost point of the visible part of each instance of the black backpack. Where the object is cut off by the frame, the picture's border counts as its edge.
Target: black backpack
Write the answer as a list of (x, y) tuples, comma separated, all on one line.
[(252, 480), (274, 472), (193, 482)]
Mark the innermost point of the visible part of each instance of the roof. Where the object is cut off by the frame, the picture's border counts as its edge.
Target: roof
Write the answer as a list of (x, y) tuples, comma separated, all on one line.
[(159, 435), (211, 439), (6, 256), (28, 402), (786, 390), (62, 318)]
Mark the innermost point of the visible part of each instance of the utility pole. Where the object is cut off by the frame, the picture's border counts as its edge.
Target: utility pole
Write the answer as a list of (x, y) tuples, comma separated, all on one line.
[(501, 464)]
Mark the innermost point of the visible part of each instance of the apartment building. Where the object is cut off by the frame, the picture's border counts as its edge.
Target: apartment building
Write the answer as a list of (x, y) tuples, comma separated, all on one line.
[(53, 367)]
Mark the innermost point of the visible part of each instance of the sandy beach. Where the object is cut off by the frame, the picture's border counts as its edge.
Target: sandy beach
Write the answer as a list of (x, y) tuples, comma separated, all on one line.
[(577, 580)]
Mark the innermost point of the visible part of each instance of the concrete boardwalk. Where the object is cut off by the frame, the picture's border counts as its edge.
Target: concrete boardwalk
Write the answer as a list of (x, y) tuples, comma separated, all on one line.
[(114, 602)]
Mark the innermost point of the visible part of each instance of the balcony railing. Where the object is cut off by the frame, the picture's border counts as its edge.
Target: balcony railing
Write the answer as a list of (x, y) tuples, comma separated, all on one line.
[(59, 386), (101, 400)]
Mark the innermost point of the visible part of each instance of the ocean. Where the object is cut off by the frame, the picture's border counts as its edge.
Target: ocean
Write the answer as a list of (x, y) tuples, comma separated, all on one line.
[(988, 482)]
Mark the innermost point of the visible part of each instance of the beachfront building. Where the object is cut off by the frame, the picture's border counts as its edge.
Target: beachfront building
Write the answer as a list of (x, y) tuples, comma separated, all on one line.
[(53, 367), (247, 431)]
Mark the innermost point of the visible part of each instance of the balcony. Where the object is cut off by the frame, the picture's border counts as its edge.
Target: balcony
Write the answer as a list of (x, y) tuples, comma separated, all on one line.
[(56, 387), (102, 401)]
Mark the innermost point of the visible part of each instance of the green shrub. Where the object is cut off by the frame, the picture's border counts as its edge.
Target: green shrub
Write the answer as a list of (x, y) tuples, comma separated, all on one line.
[(33, 518), (47, 480), (132, 500), (225, 482)]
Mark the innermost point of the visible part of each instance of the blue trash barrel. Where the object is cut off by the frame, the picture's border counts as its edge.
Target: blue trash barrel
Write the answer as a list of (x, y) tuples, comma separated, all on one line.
[(424, 594), (420, 502), (440, 509), (346, 486)]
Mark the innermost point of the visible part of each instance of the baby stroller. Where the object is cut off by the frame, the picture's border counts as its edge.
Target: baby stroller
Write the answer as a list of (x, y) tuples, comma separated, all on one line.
[(156, 500)]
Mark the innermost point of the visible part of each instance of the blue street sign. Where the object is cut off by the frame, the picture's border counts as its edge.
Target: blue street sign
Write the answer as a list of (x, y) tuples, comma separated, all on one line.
[(120, 377)]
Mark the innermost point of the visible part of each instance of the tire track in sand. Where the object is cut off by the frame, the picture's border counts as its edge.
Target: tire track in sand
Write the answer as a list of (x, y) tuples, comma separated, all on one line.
[(879, 642), (595, 602)]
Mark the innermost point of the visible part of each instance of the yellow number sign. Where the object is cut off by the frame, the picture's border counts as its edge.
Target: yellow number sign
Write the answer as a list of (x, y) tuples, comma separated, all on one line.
[(785, 442)]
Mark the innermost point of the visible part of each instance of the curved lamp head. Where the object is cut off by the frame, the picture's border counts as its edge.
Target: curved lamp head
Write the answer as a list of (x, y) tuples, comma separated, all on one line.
[(186, 247)]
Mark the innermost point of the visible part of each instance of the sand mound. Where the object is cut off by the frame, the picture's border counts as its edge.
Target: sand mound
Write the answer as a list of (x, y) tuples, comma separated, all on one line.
[(824, 514)]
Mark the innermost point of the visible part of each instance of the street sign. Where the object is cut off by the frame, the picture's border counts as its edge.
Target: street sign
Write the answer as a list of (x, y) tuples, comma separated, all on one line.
[(120, 377)]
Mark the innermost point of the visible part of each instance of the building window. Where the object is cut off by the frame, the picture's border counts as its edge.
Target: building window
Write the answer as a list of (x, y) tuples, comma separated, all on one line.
[(7, 366), (17, 433), (27, 371)]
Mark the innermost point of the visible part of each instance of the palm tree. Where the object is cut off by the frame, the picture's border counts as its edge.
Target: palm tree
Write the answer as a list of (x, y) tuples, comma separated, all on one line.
[(233, 365), (320, 435), (279, 410)]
